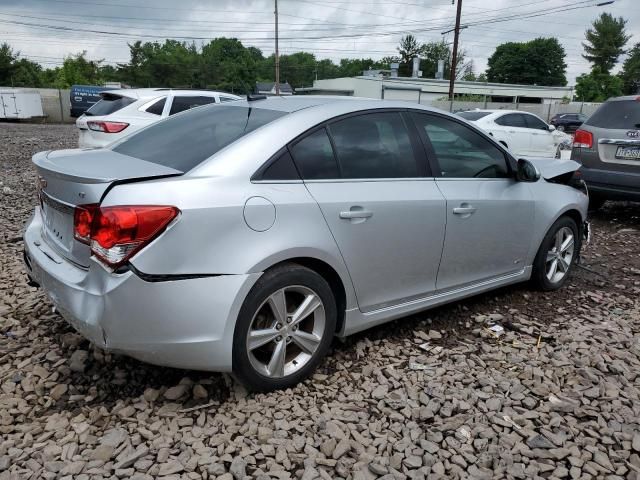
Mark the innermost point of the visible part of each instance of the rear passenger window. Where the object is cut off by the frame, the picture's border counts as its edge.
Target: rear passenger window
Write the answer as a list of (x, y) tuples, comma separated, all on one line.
[(157, 107), (374, 145), (512, 120), (314, 157), (281, 168), (180, 104)]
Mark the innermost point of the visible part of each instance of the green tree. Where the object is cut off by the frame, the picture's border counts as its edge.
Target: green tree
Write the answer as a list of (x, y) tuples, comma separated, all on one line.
[(597, 86), (431, 52), (18, 72), (77, 70), (229, 65), (605, 41), (408, 49), (352, 67), (168, 64), (537, 62), (630, 73)]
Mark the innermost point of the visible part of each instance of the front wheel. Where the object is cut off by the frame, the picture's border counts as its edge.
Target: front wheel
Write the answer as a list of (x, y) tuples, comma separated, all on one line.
[(284, 328), (556, 255)]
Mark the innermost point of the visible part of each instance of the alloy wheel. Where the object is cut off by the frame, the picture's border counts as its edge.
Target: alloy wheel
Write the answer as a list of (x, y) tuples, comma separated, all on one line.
[(286, 331), (560, 256)]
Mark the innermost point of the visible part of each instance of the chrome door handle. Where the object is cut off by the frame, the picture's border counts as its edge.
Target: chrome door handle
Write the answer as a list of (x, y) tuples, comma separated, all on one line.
[(511, 131), (356, 214), (464, 210)]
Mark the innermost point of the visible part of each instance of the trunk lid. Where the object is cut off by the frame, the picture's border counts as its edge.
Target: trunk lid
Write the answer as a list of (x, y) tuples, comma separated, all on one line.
[(67, 178)]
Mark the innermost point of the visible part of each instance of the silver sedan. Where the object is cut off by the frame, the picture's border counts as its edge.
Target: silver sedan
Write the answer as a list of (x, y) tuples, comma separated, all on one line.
[(244, 237)]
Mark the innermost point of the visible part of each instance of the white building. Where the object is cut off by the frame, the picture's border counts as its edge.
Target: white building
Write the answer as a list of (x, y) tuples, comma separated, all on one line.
[(426, 91)]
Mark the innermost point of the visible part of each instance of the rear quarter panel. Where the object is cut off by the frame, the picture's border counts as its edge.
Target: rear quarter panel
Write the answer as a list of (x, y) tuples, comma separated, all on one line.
[(212, 236)]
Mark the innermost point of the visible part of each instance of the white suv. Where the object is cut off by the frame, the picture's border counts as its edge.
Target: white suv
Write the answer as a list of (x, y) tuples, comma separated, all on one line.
[(121, 112)]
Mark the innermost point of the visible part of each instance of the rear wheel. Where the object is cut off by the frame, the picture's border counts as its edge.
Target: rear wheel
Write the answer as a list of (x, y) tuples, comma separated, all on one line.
[(284, 328), (556, 255)]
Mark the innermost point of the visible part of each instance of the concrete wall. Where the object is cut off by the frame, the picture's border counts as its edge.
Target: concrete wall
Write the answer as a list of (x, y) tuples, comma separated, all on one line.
[(56, 105)]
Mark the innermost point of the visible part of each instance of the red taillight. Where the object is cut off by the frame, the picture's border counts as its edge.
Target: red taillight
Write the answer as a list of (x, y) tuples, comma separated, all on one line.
[(107, 127), (82, 221), (117, 233), (583, 139)]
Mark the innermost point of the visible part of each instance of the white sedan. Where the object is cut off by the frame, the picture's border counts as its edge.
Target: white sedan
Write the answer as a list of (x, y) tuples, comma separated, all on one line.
[(121, 112), (523, 133)]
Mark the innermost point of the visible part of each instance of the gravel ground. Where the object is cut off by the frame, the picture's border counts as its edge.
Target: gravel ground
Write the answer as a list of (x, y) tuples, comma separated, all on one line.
[(437, 395)]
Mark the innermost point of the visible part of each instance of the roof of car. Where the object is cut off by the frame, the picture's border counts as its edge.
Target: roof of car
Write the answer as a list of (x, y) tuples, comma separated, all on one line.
[(626, 97), (142, 93), (293, 103), (498, 110)]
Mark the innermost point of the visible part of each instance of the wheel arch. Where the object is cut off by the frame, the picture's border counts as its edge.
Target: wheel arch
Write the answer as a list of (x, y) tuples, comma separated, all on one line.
[(332, 277)]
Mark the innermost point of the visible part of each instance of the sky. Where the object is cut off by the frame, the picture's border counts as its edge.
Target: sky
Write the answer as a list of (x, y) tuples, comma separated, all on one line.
[(46, 31)]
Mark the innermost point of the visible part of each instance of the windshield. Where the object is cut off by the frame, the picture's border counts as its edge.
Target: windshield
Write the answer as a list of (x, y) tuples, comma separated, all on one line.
[(109, 104), (187, 139), (471, 116), (621, 114)]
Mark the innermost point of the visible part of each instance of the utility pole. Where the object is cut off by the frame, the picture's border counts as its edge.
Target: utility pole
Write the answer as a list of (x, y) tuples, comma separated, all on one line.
[(277, 55), (454, 55)]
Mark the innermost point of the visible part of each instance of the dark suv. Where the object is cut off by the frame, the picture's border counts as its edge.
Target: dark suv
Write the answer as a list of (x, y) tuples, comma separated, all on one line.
[(608, 147), (567, 121)]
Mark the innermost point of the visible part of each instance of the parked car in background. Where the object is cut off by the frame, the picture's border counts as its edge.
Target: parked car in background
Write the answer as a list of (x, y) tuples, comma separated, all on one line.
[(567, 122), (122, 112), (83, 97), (608, 147), (244, 237), (523, 133)]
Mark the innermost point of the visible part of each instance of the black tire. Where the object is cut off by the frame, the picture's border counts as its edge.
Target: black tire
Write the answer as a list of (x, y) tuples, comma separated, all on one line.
[(596, 202), (539, 275), (285, 275)]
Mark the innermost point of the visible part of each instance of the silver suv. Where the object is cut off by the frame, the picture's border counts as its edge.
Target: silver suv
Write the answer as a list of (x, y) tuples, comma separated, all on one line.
[(608, 147)]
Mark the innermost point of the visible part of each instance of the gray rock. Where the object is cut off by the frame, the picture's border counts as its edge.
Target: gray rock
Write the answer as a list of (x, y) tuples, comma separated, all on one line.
[(78, 360), (238, 468), (538, 441), (174, 393)]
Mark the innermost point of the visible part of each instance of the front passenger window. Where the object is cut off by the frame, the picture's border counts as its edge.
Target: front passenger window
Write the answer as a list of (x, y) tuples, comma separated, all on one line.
[(460, 151), (536, 123)]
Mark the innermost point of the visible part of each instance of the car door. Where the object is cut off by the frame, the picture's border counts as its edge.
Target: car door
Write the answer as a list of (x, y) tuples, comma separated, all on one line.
[(489, 214), (543, 143), (517, 135), (369, 176)]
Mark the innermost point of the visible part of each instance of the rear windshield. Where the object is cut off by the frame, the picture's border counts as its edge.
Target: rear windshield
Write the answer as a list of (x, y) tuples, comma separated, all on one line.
[(187, 139), (472, 115), (622, 114), (109, 104)]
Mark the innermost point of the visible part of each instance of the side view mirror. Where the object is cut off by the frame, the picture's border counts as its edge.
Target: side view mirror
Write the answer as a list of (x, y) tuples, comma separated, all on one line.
[(527, 171), (551, 128)]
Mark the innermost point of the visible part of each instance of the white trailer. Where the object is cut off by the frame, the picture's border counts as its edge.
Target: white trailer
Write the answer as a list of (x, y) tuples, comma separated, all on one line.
[(16, 104)]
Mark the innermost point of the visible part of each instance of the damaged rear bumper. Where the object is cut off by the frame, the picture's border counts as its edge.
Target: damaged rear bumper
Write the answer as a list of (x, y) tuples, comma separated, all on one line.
[(182, 323)]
